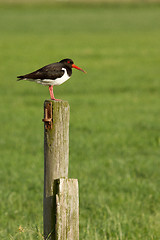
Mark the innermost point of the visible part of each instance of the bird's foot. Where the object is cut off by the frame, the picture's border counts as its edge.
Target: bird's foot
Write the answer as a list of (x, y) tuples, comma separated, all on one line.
[(55, 99)]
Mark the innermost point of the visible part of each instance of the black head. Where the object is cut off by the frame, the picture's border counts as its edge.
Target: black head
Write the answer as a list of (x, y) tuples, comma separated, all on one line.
[(69, 63)]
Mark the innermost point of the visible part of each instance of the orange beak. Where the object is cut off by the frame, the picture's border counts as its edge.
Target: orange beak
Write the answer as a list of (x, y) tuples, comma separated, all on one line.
[(74, 66)]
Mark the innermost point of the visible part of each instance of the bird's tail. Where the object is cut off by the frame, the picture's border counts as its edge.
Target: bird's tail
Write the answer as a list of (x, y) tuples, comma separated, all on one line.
[(20, 78)]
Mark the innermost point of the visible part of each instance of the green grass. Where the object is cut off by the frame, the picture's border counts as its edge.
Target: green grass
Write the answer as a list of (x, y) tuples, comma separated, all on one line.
[(114, 123), (78, 1)]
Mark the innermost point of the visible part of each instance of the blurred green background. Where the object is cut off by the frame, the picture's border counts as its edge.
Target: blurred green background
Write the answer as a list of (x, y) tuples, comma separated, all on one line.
[(114, 115)]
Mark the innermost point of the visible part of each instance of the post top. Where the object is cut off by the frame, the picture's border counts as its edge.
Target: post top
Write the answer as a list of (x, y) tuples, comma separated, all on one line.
[(61, 103), (55, 101)]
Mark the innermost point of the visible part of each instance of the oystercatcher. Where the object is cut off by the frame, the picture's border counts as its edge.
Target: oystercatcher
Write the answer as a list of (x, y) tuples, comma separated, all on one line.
[(52, 74)]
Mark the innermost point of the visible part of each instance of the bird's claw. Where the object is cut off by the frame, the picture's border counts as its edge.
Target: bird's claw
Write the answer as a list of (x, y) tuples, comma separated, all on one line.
[(56, 99)]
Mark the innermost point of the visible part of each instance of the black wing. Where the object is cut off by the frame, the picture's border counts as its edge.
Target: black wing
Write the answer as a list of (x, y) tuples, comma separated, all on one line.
[(51, 71)]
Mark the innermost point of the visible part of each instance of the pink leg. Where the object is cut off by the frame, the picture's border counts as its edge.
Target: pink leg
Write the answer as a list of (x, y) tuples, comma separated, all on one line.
[(51, 94)]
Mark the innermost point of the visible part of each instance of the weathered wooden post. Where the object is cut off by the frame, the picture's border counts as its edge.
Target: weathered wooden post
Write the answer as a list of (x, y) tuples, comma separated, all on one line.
[(61, 202)]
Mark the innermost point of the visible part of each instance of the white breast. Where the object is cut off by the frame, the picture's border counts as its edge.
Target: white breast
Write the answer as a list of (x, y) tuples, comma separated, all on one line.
[(57, 81)]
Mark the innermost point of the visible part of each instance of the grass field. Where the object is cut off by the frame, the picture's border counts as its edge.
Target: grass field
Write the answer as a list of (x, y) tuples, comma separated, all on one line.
[(78, 1), (114, 123)]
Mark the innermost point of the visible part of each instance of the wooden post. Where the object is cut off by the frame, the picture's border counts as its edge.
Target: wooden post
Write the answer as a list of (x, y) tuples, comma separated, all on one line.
[(56, 159), (67, 210)]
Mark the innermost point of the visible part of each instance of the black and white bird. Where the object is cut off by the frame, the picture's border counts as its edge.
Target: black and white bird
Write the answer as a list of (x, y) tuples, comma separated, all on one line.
[(52, 74)]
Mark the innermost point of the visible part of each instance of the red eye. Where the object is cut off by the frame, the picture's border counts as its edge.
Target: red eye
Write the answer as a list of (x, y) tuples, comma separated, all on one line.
[(68, 61)]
